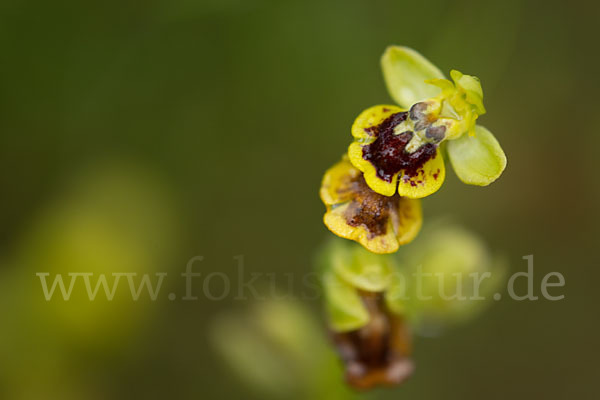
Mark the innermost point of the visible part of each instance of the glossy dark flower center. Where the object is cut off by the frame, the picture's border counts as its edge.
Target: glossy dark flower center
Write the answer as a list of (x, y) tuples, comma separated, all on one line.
[(388, 152)]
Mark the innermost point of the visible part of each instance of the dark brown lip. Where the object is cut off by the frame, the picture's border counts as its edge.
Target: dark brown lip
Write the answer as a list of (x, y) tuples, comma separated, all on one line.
[(388, 152)]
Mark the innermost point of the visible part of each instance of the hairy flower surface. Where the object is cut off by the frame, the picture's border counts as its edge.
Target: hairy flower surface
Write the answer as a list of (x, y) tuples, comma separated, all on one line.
[(354, 211), (397, 148)]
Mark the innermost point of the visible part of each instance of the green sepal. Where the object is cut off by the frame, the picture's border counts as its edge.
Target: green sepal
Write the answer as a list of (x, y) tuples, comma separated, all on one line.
[(365, 270), (405, 72), (345, 309)]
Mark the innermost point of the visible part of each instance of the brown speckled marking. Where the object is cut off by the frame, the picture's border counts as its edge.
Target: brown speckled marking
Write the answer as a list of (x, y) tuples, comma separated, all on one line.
[(368, 208)]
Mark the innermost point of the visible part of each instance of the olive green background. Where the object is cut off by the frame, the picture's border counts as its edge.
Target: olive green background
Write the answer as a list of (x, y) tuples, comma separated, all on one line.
[(204, 127)]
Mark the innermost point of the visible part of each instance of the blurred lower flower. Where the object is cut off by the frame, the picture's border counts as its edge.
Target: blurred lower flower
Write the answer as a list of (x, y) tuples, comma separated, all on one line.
[(374, 301), (372, 340), (378, 352)]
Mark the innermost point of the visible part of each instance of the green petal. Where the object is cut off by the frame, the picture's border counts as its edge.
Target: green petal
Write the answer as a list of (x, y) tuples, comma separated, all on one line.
[(472, 87), (345, 309), (405, 72), (367, 271), (477, 160)]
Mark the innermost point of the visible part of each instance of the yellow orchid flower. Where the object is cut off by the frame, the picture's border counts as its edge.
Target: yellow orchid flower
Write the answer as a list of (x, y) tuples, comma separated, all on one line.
[(354, 211), (397, 148)]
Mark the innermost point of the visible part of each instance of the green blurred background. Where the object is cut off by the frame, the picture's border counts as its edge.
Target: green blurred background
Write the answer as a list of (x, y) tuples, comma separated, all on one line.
[(136, 135)]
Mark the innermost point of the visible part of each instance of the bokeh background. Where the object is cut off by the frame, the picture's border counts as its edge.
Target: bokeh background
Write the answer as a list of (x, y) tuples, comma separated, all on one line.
[(136, 135)]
